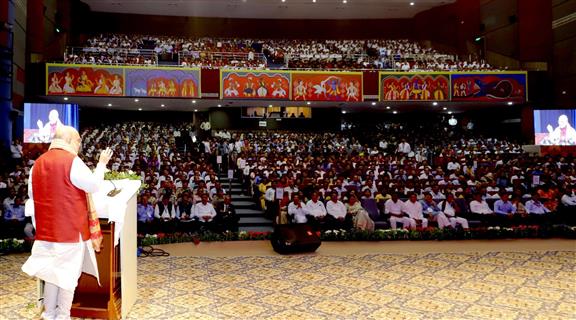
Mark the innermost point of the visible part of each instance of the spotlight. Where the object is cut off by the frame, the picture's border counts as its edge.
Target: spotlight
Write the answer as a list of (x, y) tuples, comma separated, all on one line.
[(109, 104), (65, 98), (373, 103), (139, 109), (344, 1), (219, 105), (449, 112), (193, 101), (411, 3), (308, 103), (444, 108), (434, 103), (136, 100), (510, 103), (269, 106), (343, 111), (394, 112), (195, 110), (387, 107), (162, 105)]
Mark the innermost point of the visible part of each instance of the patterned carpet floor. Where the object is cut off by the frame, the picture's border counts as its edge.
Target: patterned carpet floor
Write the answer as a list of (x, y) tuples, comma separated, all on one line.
[(488, 285)]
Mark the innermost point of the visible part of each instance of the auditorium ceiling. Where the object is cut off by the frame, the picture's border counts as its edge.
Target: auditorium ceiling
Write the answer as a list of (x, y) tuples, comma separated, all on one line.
[(271, 9)]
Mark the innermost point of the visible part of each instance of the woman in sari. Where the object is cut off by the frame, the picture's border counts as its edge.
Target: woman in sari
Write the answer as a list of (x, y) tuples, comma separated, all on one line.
[(360, 218)]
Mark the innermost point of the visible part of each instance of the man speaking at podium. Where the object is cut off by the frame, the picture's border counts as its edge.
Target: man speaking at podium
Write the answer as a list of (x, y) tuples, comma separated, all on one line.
[(65, 242)]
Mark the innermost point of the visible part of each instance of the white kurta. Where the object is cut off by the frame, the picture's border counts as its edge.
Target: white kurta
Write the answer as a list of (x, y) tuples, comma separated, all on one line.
[(62, 263)]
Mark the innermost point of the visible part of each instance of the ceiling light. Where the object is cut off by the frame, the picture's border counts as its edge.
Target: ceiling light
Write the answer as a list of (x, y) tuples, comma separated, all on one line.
[(66, 98), (139, 109), (449, 112), (434, 103), (136, 100), (283, 0), (314, 1), (444, 108), (373, 103), (344, 1), (394, 112), (109, 104), (388, 108), (563, 92), (411, 3), (510, 103), (343, 111)]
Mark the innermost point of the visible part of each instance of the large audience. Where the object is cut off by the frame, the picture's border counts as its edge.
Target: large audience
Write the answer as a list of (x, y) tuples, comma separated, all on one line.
[(388, 176), (403, 55)]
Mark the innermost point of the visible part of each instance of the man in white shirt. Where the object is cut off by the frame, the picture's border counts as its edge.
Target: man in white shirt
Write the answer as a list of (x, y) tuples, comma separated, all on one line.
[(16, 151), (205, 213), (404, 147), (451, 210), (336, 213), (393, 207), (297, 210), (316, 210), (480, 210), (413, 209), (270, 201)]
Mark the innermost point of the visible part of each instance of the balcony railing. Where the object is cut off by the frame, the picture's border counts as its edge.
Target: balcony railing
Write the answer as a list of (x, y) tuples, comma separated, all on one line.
[(110, 56), (244, 60)]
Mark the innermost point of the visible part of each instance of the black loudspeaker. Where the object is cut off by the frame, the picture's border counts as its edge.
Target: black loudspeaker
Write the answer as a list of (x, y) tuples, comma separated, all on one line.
[(295, 238)]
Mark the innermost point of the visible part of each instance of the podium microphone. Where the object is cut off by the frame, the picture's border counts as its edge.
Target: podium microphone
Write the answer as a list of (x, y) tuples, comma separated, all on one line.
[(114, 192)]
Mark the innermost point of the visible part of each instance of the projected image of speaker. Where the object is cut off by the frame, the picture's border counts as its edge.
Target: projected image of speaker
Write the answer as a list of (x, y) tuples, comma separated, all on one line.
[(295, 238), (41, 120)]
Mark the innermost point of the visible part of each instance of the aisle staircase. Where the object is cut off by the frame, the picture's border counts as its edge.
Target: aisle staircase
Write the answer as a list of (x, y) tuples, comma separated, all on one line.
[(251, 216)]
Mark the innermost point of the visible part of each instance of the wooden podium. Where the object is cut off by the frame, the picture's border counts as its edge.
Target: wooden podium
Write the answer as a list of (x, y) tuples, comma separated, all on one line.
[(117, 264)]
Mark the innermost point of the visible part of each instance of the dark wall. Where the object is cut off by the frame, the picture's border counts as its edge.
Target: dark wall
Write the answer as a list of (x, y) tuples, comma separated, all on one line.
[(564, 55), (323, 119), (251, 28), (499, 26), (453, 25)]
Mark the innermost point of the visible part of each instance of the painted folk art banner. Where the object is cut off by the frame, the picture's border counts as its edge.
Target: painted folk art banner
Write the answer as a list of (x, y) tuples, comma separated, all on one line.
[(327, 86), (163, 82), (489, 87), (238, 84), (84, 80), (414, 86)]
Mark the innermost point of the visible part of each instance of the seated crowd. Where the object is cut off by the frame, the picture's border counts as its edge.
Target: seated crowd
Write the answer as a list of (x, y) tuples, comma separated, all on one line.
[(450, 178), (269, 53), (332, 180)]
